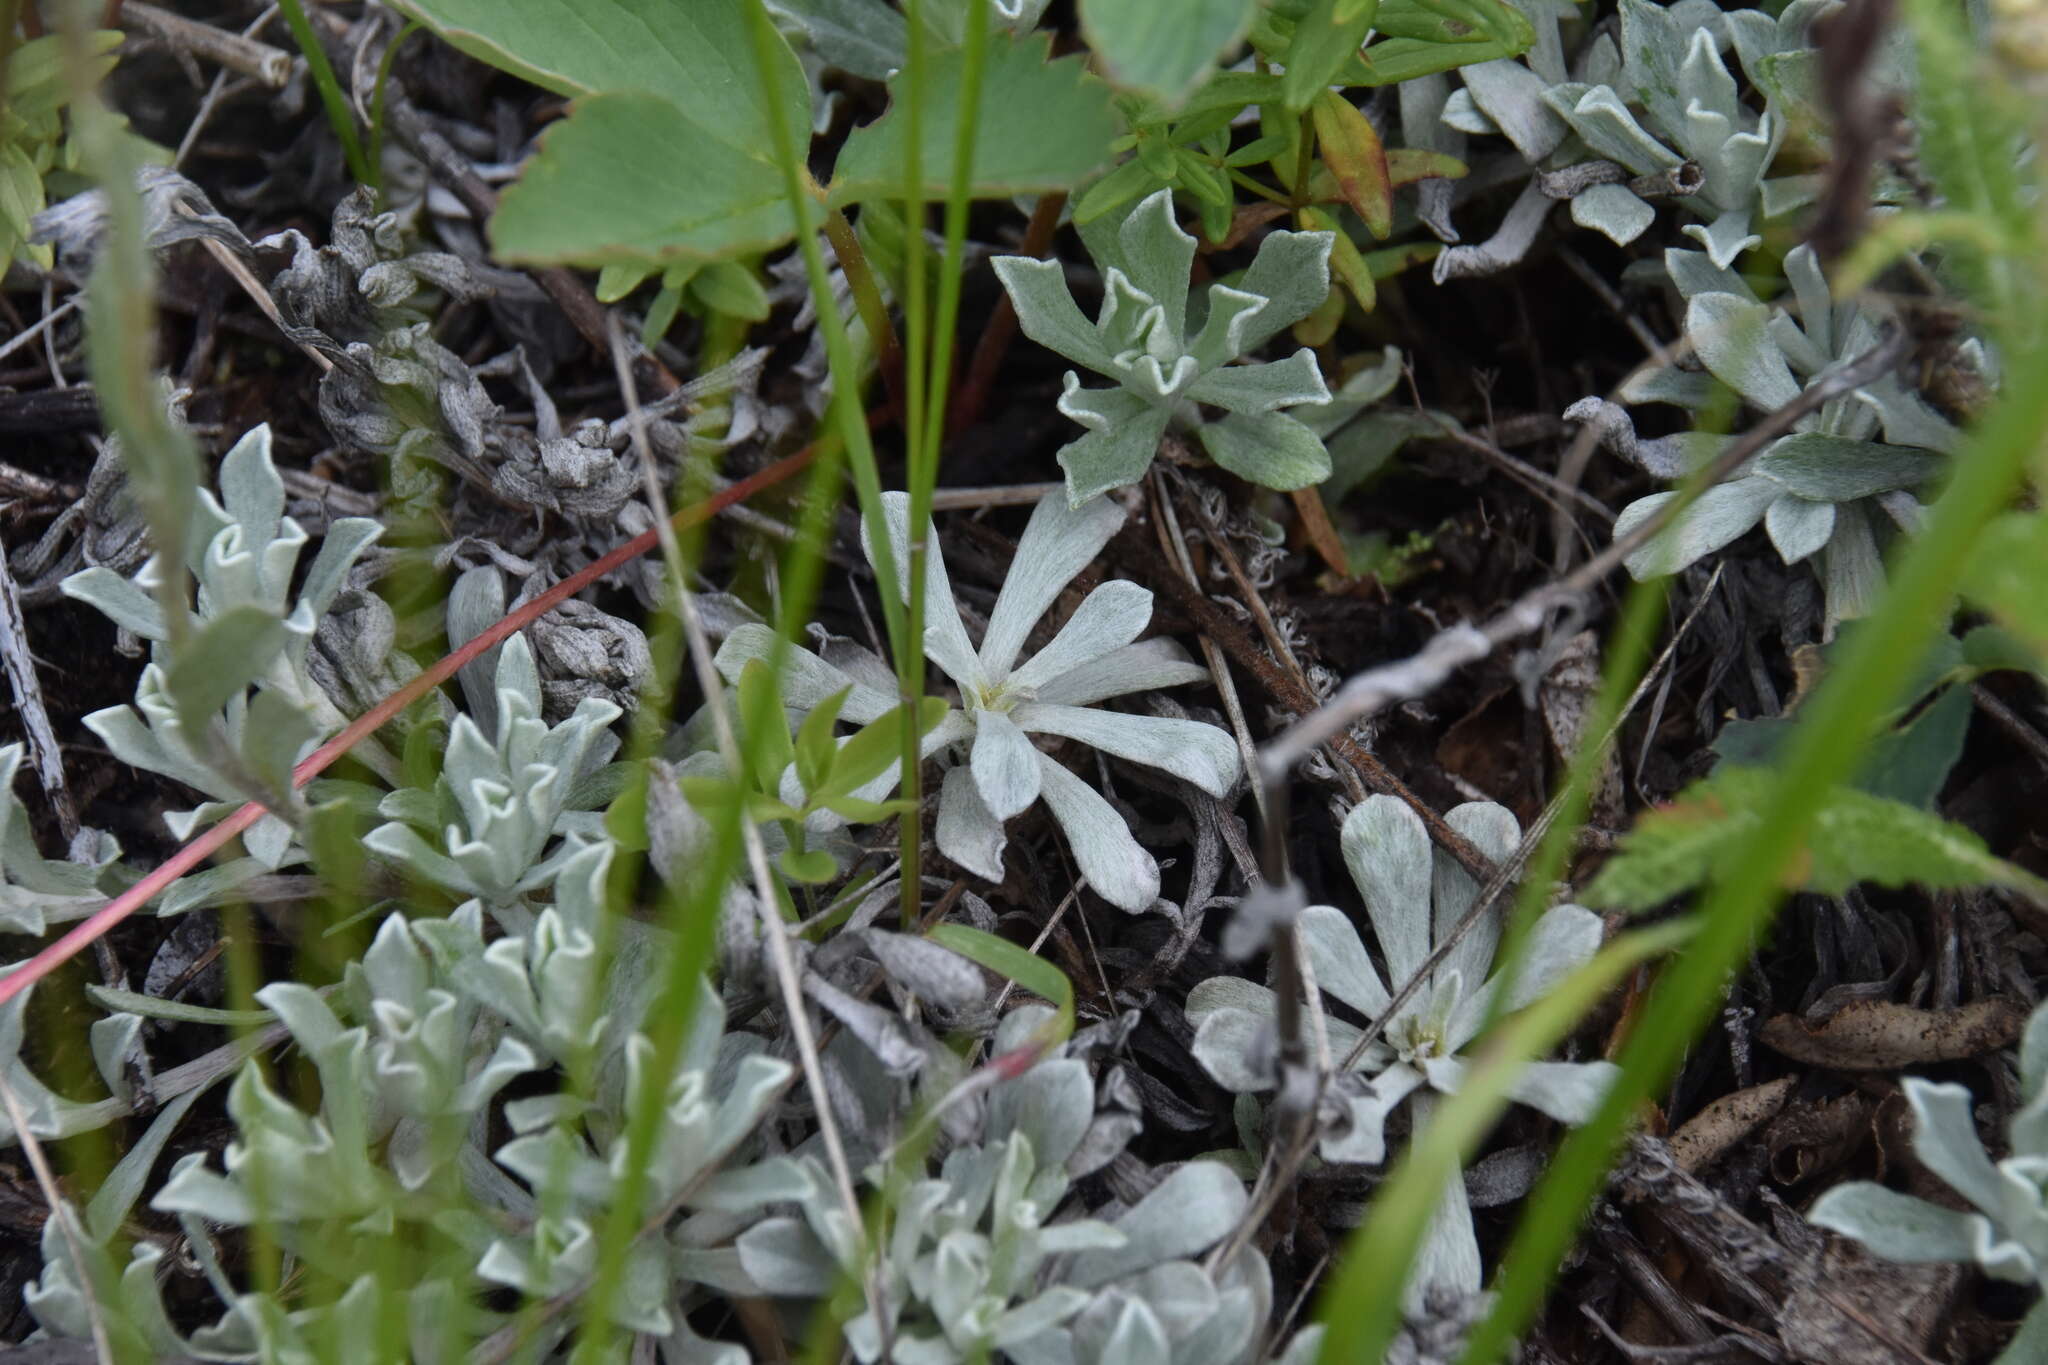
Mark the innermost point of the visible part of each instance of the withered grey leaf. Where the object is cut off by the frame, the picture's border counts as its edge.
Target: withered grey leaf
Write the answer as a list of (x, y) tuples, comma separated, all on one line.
[(884, 1035), (928, 971), (476, 602), (173, 210), (584, 652)]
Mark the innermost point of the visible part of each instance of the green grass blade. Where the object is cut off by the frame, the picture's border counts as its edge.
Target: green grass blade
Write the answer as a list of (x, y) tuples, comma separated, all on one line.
[(331, 96)]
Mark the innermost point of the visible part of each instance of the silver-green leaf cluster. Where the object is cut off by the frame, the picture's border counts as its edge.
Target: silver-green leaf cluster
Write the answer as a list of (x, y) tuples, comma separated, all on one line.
[(1172, 353)]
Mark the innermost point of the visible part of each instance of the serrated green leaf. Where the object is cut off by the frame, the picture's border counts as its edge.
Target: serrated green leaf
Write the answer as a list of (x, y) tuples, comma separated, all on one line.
[(1041, 126), (698, 55), (863, 37), (218, 660), (1163, 50), (1857, 837), (631, 178)]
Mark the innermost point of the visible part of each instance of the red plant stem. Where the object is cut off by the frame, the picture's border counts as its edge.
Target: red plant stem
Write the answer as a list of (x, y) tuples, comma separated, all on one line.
[(1002, 324), (197, 851)]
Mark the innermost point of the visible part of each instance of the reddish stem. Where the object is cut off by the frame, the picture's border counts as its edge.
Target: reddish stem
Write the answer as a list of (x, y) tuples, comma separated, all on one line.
[(197, 851), (1002, 324)]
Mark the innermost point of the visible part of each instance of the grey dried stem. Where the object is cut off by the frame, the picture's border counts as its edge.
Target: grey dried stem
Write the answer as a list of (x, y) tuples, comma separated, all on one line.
[(259, 61)]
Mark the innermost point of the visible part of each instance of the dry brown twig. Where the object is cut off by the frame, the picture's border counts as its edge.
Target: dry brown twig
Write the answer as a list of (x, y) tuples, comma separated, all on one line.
[(270, 66)]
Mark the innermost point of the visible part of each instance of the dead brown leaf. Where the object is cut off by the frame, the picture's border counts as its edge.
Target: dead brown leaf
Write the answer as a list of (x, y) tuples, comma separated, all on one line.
[(1702, 1139), (1812, 1138), (1878, 1035)]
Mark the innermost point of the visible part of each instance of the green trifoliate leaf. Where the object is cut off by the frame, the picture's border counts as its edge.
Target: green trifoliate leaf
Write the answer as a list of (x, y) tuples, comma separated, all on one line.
[(699, 56), (1066, 135), (1163, 50), (636, 179), (863, 37)]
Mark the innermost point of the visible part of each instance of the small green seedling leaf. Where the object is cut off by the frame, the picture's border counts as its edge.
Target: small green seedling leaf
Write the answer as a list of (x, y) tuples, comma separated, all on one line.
[(767, 725), (810, 867), (709, 794), (816, 746), (731, 288), (761, 809), (873, 747), (861, 811)]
